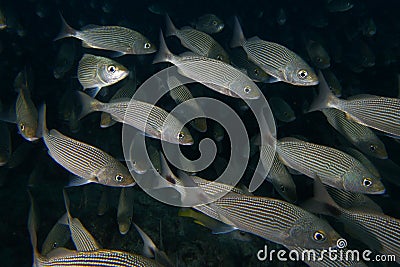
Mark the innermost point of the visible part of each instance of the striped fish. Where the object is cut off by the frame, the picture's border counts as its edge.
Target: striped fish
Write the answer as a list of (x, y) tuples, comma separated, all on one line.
[(180, 93), (380, 232), (113, 38), (334, 167), (125, 210), (359, 135), (197, 41), (275, 59), (276, 220), (363, 159), (62, 257), (377, 112), (212, 73), (88, 163), (126, 92), (145, 117), (240, 60), (58, 236), (97, 72), (26, 113)]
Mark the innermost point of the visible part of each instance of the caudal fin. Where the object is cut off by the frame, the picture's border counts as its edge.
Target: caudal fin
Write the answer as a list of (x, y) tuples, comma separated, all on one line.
[(66, 30), (89, 104), (325, 98), (163, 55), (170, 27), (32, 228), (238, 37)]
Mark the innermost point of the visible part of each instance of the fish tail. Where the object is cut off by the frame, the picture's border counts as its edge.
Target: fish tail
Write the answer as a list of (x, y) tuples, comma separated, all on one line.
[(322, 202), (325, 98), (89, 104), (170, 27), (238, 36), (42, 127), (163, 55), (32, 228), (149, 248), (66, 30)]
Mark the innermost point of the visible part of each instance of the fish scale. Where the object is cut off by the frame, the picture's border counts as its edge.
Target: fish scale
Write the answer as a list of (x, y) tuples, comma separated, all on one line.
[(381, 113), (105, 258)]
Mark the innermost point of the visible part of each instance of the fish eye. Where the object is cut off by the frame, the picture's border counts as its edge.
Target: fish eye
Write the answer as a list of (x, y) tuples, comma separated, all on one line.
[(181, 135), (367, 182), (247, 89), (147, 45), (283, 189), (302, 74), (219, 57), (119, 178), (319, 236), (22, 126), (372, 148), (214, 22), (111, 68), (256, 72), (319, 59)]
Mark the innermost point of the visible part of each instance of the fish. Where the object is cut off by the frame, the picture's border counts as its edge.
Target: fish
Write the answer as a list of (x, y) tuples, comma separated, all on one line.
[(275, 220), (65, 59), (377, 112), (339, 5), (97, 72), (209, 23), (88, 163), (275, 59), (212, 73), (85, 257), (145, 117), (318, 55), (379, 231), (281, 109), (359, 135), (333, 82), (281, 17), (58, 236), (5, 144), (240, 60), (197, 41), (334, 167), (126, 92), (26, 112), (3, 20), (104, 204), (368, 27), (216, 227), (119, 39), (181, 93), (125, 210)]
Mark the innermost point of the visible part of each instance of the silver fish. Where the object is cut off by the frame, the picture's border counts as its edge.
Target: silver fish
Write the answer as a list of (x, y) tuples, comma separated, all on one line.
[(125, 210), (87, 162), (58, 236), (275, 59), (113, 38), (334, 167), (380, 232), (281, 109), (197, 41), (359, 135), (145, 117), (26, 112), (97, 72), (380, 113), (212, 73), (209, 23)]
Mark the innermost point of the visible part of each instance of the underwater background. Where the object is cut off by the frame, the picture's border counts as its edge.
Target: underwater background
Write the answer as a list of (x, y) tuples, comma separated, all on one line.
[(28, 41)]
